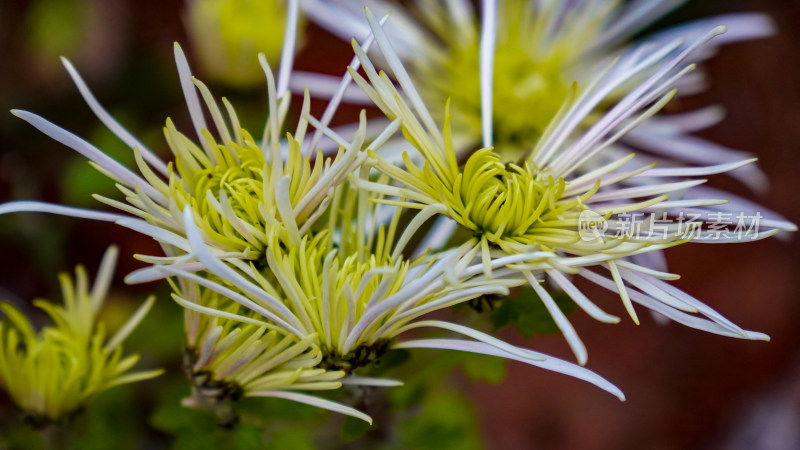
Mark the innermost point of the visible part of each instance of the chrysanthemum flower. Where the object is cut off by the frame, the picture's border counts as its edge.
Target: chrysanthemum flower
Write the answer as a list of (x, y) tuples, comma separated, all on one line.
[(52, 374), (351, 288), (539, 49), (228, 35), (244, 191), (530, 214), (245, 195), (230, 353)]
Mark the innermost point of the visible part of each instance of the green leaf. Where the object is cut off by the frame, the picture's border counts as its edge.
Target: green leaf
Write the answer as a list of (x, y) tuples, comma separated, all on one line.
[(248, 437), (391, 359), (294, 439), (353, 429), (527, 313), (446, 421), (490, 369)]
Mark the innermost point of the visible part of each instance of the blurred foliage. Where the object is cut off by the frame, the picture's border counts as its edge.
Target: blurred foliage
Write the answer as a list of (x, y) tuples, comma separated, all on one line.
[(56, 27), (526, 312)]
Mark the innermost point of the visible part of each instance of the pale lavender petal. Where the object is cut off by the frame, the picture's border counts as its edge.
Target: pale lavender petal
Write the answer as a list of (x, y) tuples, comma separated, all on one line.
[(314, 401), (31, 206), (542, 361)]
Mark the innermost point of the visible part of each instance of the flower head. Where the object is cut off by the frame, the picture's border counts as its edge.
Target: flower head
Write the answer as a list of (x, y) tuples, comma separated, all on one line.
[(524, 56), (244, 191), (527, 217), (353, 292), (54, 373), (231, 354)]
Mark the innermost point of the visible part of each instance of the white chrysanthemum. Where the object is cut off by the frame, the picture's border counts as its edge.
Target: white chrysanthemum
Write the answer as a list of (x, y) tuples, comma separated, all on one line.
[(539, 49), (529, 216), (523, 56), (245, 191), (351, 289), (230, 353)]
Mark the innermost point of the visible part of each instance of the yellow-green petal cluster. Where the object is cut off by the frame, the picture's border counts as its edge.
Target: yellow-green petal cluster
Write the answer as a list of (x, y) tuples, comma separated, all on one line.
[(231, 352), (353, 289), (244, 191), (55, 372)]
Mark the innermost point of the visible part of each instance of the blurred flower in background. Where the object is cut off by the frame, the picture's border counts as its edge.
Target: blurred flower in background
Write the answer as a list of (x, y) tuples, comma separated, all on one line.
[(228, 35), (541, 48), (54, 373)]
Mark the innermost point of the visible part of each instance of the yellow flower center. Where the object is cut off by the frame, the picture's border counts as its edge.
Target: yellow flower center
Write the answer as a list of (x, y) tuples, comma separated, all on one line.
[(509, 204), (228, 34), (532, 75)]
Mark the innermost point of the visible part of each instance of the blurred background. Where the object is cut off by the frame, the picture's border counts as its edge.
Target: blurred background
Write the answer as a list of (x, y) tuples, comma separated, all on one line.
[(685, 388)]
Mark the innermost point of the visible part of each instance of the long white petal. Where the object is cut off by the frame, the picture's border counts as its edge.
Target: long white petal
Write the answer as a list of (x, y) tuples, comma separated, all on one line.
[(581, 300), (89, 151), (402, 76), (148, 274), (644, 191), (575, 343), (689, 320), (314, 401), (487, 48), (159, 234), (222, 314), (694, 171), (110, 122), (32, 206), (354, 380), (339, 94), (192, 99), (289, 43), (543, 361)]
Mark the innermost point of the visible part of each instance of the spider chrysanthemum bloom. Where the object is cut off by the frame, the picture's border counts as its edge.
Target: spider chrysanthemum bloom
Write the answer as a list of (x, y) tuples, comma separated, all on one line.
[(537, 206), (245, 191), (229, 34), (351, 288), (230, 354), (55, 372), (539, 49)]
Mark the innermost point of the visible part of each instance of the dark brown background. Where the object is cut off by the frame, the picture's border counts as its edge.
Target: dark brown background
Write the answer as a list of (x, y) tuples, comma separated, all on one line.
[(685, 389)]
